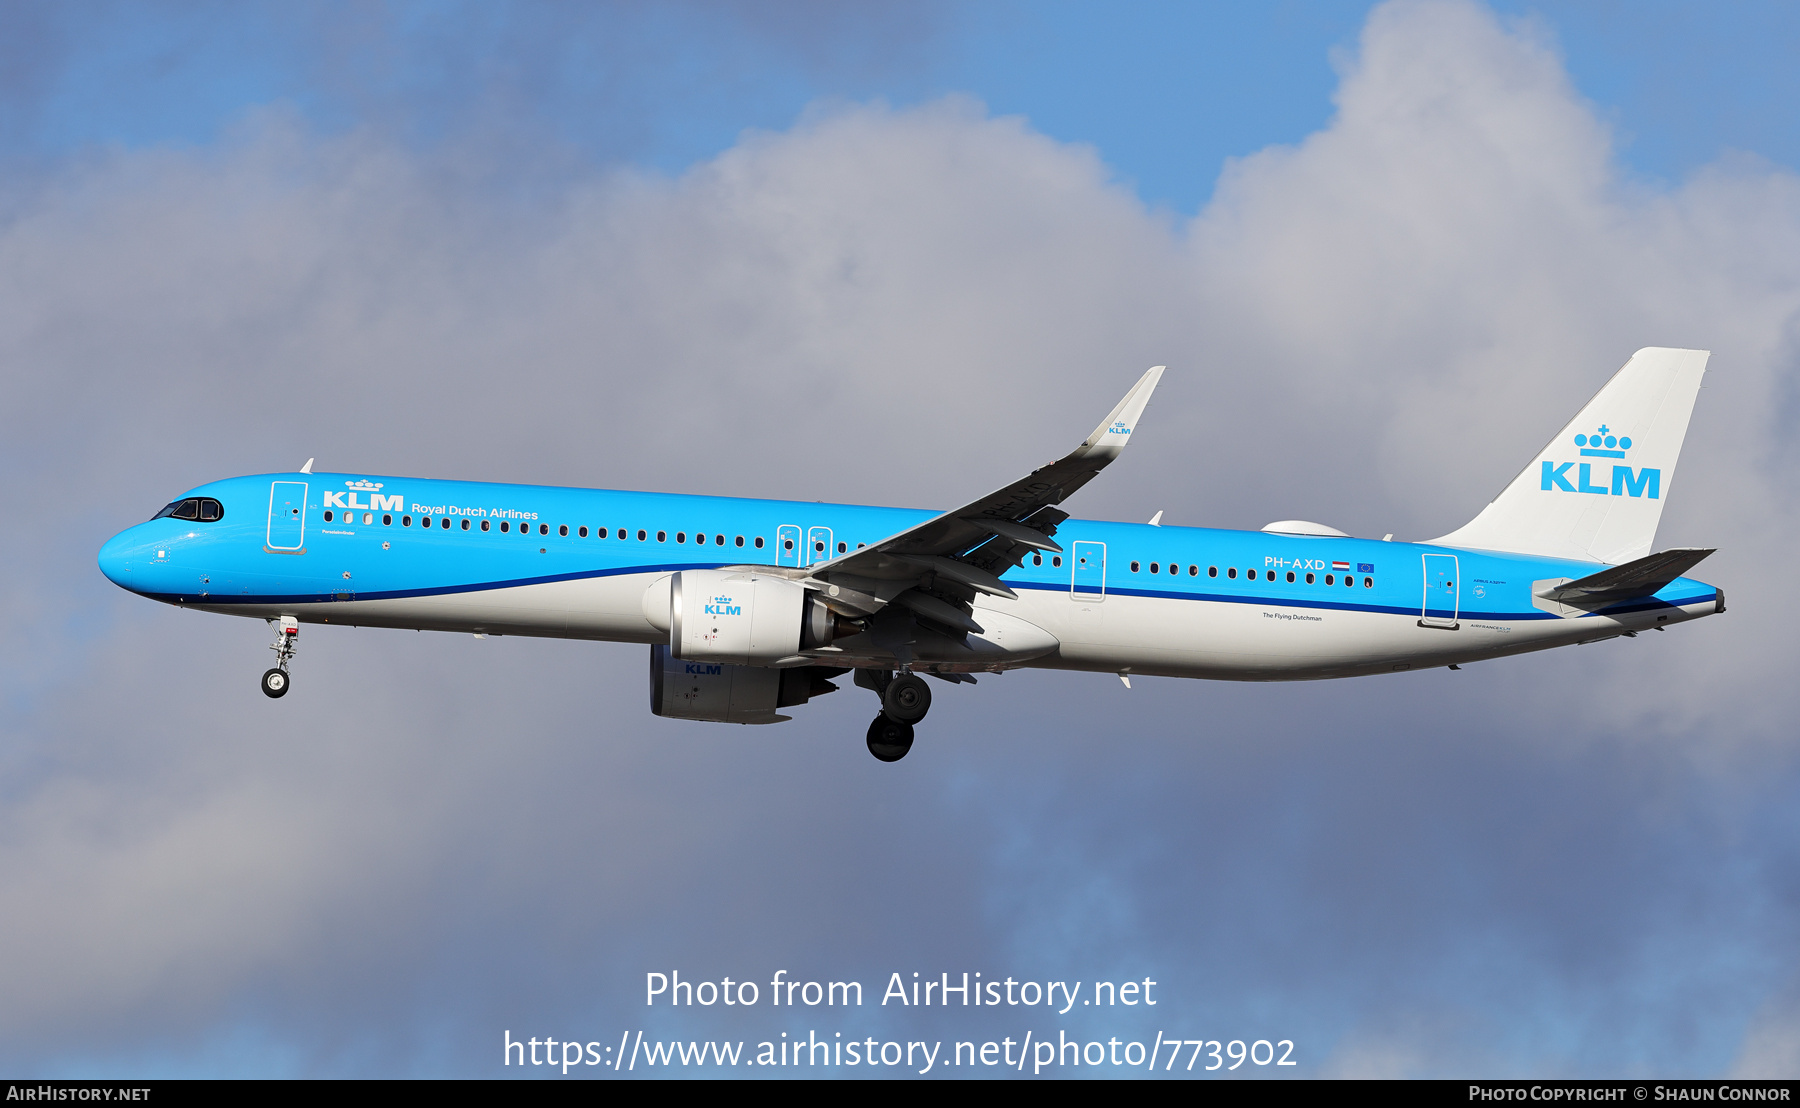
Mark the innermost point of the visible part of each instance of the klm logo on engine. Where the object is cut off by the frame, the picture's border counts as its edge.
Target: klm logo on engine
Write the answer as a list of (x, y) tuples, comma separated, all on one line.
[(1624, 481), (722, 606), (377, 502)]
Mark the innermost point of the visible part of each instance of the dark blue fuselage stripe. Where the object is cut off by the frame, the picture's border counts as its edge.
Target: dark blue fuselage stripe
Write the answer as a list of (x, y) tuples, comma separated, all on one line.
[(327, 595)]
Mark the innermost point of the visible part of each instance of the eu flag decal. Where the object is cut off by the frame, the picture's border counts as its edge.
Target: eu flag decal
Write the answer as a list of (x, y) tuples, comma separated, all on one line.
[(1365, 567)]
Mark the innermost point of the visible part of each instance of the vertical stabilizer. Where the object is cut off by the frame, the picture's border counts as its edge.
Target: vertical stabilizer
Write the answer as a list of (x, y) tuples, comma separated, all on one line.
[(1596, 492)]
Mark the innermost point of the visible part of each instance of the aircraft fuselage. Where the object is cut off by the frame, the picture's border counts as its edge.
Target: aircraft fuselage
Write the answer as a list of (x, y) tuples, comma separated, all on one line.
[(497, 559)]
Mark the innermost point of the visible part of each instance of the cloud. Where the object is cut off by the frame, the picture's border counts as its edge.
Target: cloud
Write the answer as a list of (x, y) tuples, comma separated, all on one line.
[(1564, 863)]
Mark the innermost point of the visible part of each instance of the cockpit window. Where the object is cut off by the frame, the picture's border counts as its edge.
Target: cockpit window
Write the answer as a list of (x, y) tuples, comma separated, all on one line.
[(203, 509)]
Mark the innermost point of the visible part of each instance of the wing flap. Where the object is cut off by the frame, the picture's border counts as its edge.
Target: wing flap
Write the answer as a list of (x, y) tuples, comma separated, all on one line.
[(1020, 516), (934, 570)]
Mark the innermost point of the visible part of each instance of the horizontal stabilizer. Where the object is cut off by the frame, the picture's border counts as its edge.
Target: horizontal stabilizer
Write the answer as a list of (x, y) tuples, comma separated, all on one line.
[(1646, 576)]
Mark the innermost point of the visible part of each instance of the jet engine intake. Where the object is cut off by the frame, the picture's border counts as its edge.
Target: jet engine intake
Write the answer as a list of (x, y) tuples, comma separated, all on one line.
[(746, 618)]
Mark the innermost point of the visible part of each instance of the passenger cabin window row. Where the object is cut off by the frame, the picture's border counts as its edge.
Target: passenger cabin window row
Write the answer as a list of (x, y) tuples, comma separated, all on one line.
[(1291, 576), (507, 527)]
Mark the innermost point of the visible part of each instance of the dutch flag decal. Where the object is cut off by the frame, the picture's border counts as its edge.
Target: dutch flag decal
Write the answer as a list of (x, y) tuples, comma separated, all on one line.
[(1340, 565)]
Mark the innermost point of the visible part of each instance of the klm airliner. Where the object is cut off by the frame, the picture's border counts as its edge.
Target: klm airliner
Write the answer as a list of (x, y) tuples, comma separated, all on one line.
[(751, 607)]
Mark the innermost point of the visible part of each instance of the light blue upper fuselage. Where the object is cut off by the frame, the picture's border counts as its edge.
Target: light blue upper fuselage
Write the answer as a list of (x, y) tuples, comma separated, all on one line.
[(258, 557)]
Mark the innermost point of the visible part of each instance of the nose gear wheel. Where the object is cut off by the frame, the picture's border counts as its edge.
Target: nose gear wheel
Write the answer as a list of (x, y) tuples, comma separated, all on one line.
[(275, 682)]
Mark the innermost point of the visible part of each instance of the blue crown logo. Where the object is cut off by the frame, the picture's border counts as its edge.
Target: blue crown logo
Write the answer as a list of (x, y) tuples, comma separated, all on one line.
[(1603, 444), (366, 485)]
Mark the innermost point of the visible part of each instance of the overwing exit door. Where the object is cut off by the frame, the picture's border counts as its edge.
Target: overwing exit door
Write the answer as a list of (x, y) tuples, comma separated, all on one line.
[(1442, 592), (787, 545), (818, 546)]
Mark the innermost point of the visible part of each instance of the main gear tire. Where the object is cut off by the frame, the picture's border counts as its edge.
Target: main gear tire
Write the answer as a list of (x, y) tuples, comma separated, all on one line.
[(906, 699), (275, 683), (889, 741)]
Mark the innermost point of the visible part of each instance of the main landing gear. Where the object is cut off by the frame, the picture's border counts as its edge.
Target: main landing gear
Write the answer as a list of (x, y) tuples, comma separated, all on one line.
[(275, 682), (905, 698)]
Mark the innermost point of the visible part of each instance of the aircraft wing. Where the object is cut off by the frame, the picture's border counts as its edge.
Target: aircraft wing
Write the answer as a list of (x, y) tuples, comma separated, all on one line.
[(1644, 577), (937, 567)]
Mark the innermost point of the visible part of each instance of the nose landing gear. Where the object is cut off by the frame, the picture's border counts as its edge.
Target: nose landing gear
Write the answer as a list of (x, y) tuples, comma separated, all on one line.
[(275, 682)]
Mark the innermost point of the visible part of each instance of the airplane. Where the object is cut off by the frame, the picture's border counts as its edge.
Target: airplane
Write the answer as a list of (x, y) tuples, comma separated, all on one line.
[(750, 606)]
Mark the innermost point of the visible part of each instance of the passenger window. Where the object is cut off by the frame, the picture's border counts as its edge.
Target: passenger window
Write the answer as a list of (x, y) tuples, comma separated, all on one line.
[(1368, 582), (328, 515), (1193, 571), (1056, 559), (1134, 567), (1290, 576), (406, 521), (842, 548), (680, 536), (787, 544), (1152, 567), (1250, 573), (1212, 571), (642, 535), (465, 524), (759, 542), (387, 521), (700, 538), (740, 540), (582, 532), (1037, 559), (719, 540), (662, 536), (1232, 573)]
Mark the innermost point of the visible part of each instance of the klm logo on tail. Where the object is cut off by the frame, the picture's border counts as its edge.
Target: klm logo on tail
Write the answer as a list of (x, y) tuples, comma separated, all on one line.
[(1602, 444)]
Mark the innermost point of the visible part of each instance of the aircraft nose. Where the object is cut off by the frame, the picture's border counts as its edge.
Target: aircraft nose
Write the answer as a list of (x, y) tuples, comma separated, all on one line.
[(117, 557)]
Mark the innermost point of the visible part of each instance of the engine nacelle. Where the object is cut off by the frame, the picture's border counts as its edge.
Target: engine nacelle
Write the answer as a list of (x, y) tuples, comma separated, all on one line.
[(738, 617), (719, 693)]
